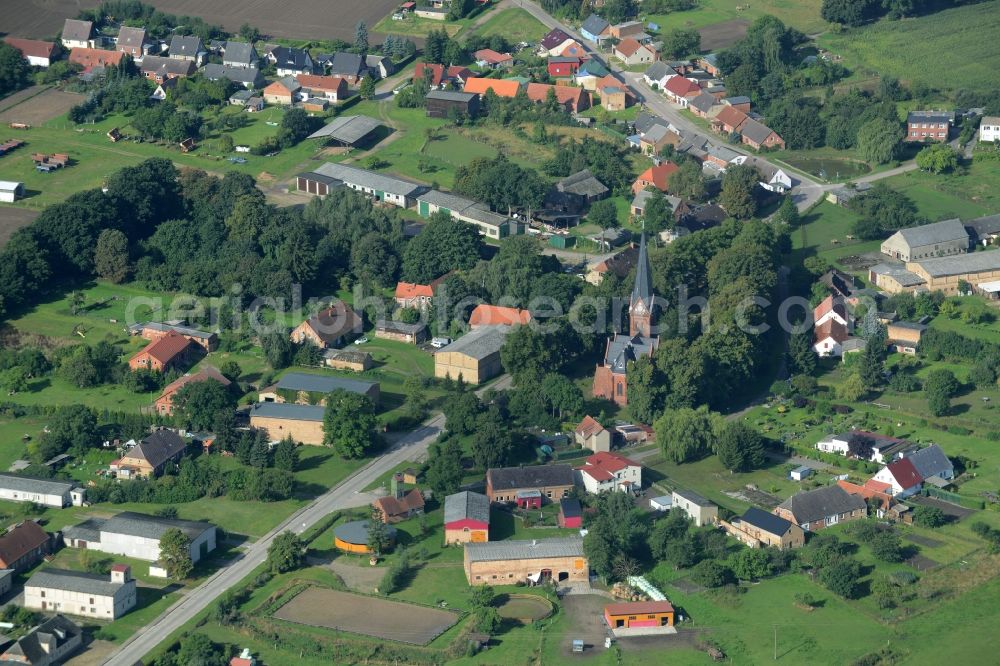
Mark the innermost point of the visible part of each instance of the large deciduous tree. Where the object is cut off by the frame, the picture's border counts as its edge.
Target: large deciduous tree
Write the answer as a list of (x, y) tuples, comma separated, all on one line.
[(349, 424), (685, 434), (175, 554)]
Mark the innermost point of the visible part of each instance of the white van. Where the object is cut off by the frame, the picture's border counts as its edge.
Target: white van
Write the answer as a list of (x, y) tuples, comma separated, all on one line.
[(438, 343)]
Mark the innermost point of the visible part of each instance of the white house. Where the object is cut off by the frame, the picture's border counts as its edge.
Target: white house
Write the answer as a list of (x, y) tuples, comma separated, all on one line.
[(658, 74), (829, 309), (834, 444), (11, 191), (829, 338), (47, 492), (398, 192), (79, 593), (696, 507), (903, 478), (989, 128), (605, 471), (138, 535)]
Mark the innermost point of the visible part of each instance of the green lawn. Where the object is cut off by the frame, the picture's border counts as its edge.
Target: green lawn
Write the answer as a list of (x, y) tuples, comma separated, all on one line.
[(416, 26), (803, 14), (515, 24), (968, 194), (961, 42)]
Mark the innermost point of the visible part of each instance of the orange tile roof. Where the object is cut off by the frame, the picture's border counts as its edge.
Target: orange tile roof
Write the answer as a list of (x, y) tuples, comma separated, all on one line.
[(502, 87), (539, 92), (411, 290), (573, 49), (830, 305), (167, 348), (437, 72), (831, 328), (628, 46), (589, 426), (32, 47), (867, 493), (496, 315), (731, 116), (603, 465), (91, 58), (639, 608), (208, 372), (659, 175), (315, 82), (491, 56), (678, 85)]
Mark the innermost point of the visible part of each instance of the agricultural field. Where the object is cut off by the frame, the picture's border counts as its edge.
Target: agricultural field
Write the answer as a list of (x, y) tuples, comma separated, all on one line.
[(12, 219), (961, 42), (802, 15), (515, 24)]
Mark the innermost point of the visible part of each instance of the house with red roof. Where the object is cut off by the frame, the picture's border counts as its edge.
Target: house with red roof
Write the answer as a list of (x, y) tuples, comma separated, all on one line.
[(412, 295), (902, 476), (170, 351), (330, 88), (500, 87), (35, 51), (829, 338), (592, 435), (491, 59), (561, 67), (632, 52), (441, 75), (657, 176), (164, 404), (90, 59), (497, 315), (729, 120), (609, 472), (830, 308), (681, 90), (571, 98), (881, 500)]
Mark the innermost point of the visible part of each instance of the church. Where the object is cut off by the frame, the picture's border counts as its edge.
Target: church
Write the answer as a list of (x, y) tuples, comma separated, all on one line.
[(611, 379)]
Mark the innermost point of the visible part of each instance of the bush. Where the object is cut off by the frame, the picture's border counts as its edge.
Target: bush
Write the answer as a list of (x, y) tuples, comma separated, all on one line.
[(710, 573), (929, 516)]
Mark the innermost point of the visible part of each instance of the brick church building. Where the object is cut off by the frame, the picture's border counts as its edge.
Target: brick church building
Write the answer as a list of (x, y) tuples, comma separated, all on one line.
[(611, 379)]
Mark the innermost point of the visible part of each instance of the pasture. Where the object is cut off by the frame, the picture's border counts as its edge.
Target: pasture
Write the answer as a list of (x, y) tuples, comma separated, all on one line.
[(369, 616), (960, 42), (516, 25), (800, 14)]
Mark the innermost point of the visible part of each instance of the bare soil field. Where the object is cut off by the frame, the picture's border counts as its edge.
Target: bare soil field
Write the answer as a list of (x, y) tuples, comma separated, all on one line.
[(721, 35), (34, 107), (12, 219), (294, 19), (949, 509), (343, 611)]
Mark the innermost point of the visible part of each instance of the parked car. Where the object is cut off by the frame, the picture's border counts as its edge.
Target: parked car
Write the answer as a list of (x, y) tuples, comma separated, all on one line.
[(360, 341)]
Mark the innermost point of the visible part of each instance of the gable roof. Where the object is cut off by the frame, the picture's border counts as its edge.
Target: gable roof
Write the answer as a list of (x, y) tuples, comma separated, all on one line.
[(287, 411), (467, 506), (75, 581), (91, 58), (524, 550), (829, 304), (36, 646), (287, 85), (77, 31), (347, 64), (658, 70), (583, 183), (158, 448), (755, 131), (241, 52), (135, 524), (589, 427), (595, 25), (33, 485), (532, 476), (186, 45), (639, 608), (287, 57), (680, 86), (167, 348), (480, 343), (501, 87), (21, 540), (929, 117), (391, 506), (628, 46), (867, 492), (931, 461), (310, 383), (659, 175), (693, 497), (975, 262), (765, 521), (929, 234), (539, 92), (161, 66), (413, 290), (703, 102), (497, 315), (205, 373), (817, 504), (244, 75), (905, 473), (554, 38), (831, 328), (324, 83), (132, 38), (603, 465), (332, 323), (492, 57), (436, 70), (366, 178), (34, 48)]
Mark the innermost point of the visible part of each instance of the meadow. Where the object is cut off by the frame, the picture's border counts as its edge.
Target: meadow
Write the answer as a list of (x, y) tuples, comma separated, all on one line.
[(802, 14), (961, 43)]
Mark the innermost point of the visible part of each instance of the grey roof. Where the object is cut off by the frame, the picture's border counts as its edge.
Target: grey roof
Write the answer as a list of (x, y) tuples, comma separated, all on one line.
[(370, 179), (594, 24), (465, 504), (623, 349), (451, 96), (929, 234), (961, 264), (37, 645), (400, 327), (452, 202), (570, 508), (130, 523), (248, 75), (929, 117), (241, 52), (898, 273), (479, 343), (167, 66), (583, 183), (643, 288), (74, 581), (158, 448), (693, 497), (286, 57), (656, 133), (710, 58), (984, 226), (755, 131), (817, 504), (31, 484), (738, 99), (912, 325), (241, 95), (703, 102), (658, 70), (524, 550), (347, 64), (301, 381), (646, 121), (89, 530), (486, 216), (77, 31), (356, 532), (347, 129), (532, 476), (723, 152), (131, 37), (931, 461), (284, 410), (320, 178), (186, 45), (346, 355), (768, 522), (639, 200)]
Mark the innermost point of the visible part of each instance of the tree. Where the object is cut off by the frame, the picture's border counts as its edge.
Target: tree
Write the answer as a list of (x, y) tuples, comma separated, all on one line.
[(444, 467), (231, 370), (287, 552), (197, 403), (349, 424), (286, 455), (658, 214), (111, 256), (488, 619), (681, 42), (461, 413), (852, 389), (848, 12), (367, 88), (938, 158), (482, 596), (871, 366), (249, 33), (668, 530), (739, 191), (751, 564), (199, 650), (277, 348), (688, 182), (562, 395), (879, 140), (603, 213), (940, 387), (740, 448), (175, 554), (887, 546), (685, 434), (378, 533), (15, 72), (841, 576), (73, 427), (494, 441), (444, 245), (361, 37), (801, 355), (788, 214), (710, 573), (882, 211), (929, 516)]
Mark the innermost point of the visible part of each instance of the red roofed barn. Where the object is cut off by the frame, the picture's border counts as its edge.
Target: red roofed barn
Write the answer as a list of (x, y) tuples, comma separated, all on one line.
[(170, 351)]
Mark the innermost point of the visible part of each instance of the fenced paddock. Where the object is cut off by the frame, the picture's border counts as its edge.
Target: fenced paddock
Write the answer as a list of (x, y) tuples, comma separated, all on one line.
[(369, 616)]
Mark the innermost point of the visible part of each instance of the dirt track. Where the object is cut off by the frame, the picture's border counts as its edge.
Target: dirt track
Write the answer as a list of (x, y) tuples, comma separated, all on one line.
[(12, 219)]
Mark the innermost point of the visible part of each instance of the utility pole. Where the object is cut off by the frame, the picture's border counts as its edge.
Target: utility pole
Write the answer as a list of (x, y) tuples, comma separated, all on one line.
[(776, 642)]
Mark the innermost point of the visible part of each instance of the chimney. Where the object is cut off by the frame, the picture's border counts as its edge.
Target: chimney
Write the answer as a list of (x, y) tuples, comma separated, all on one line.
[(397, 485), (121, 573)]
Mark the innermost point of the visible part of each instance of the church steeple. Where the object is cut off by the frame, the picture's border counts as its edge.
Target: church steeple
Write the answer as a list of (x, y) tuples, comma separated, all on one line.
[(641, 303)]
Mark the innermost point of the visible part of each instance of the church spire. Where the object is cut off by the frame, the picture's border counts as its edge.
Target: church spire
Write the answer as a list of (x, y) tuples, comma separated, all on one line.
[(643, 289)]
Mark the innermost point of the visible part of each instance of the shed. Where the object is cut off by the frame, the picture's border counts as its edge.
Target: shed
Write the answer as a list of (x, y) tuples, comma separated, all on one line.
[(662, 503), (562, 242), (11, 191), (800, 473)]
